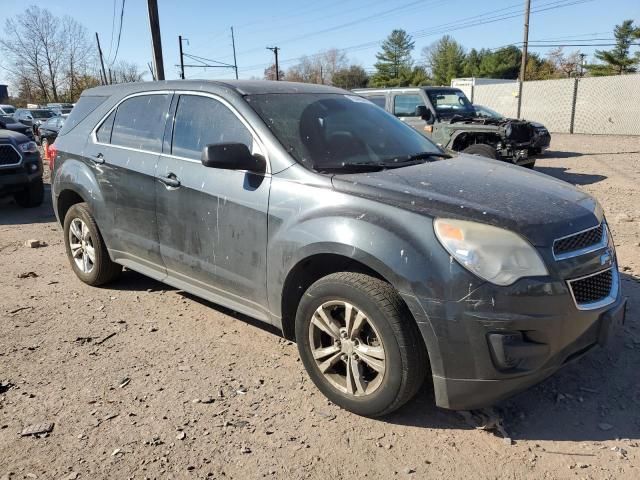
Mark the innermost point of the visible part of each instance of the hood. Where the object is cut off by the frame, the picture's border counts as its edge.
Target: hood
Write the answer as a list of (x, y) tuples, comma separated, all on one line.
[(7, 135), (539, 207)]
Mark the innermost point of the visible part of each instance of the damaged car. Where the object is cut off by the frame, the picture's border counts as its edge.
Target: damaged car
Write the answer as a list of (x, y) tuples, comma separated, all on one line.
[(446, 116), (311, 209)]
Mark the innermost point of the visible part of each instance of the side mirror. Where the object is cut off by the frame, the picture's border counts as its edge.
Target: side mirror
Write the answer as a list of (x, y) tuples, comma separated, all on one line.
[(424, 113), (232, 156)]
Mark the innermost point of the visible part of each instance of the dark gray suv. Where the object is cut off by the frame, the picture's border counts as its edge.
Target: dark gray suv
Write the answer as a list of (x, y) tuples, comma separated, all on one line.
[(309, 208)]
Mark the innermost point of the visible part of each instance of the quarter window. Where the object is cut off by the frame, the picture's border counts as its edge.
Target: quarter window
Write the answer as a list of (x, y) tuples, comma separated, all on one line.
[(201, 121), (405, 105), (139, 122), (103, 134)]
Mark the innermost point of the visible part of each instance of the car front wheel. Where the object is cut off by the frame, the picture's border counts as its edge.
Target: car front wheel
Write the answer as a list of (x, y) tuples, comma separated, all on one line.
[(359, 343), (85, 248)]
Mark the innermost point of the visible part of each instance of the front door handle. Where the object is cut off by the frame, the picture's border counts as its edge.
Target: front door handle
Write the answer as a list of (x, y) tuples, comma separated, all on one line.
[(170, 180), (99, 158)]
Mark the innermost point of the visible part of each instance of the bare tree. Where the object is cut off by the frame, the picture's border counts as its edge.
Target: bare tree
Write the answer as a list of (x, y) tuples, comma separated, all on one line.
[(318, 68), (565, 65), (80, 59), (125, 72)]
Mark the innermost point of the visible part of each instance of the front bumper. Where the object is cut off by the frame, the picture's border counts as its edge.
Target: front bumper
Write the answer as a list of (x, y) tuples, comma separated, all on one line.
[(14, 179), (537, 319), (468, 394)]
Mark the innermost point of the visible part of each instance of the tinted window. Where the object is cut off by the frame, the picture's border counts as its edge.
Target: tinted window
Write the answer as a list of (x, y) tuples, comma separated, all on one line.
[(103, 134), (41, 114), (8, 110), (139, 122), (201, 121), (449, 102), (405, 105), (379, 100), (83, 108)]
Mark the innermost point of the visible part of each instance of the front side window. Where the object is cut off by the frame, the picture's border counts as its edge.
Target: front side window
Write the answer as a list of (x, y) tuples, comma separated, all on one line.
[(139, 122), (378, 100), (405, 105), (202, 121), (336, 131)]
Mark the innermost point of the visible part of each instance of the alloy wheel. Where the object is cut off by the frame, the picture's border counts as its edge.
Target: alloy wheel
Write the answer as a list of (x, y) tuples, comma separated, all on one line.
[(81, 244), (347, 348)]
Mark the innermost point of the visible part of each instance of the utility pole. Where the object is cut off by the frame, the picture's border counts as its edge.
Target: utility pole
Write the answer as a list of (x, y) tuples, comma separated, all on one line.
[(525, 45), (104, 73), (154, 24), (275, 51), (233, 44), (582, 57), (181, 58)]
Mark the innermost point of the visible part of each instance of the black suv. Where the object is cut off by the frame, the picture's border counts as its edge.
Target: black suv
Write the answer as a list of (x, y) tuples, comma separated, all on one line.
[(309, 208), (20, 169), (446, 116)]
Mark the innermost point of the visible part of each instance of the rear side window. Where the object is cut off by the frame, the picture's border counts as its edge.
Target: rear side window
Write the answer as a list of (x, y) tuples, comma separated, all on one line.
[(103, 134), (201, 121), (379, 100), (139, 122), (405, 105), (83, 108)]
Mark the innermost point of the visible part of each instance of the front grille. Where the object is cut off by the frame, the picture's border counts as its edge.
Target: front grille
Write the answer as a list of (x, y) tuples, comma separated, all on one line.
[(592, 289), (8, 155), (579, 241), (520, 132)]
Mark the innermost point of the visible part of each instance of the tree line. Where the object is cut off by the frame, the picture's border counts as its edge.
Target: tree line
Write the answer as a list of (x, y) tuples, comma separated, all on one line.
[(447, 59), (53, 59)]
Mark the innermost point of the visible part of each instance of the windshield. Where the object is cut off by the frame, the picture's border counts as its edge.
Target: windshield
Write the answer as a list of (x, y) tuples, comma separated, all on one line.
[(451, 102), (41, 113), (8, 110), (323, 131)]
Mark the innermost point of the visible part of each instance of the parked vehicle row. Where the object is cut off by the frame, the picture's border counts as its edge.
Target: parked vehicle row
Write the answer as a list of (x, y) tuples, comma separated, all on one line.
[(34, 118), (446, 116), (310, 208)]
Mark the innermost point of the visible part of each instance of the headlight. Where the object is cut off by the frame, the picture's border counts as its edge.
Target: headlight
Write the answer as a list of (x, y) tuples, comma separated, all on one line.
[(494, 254), (28, 147)]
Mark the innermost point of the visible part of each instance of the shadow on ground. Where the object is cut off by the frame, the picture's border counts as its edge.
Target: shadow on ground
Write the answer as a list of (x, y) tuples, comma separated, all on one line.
[(13, 214), (596, 398), (561, 173)]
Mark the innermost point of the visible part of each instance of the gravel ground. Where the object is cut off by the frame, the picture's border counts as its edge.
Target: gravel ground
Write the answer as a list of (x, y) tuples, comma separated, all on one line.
[(143, 381)]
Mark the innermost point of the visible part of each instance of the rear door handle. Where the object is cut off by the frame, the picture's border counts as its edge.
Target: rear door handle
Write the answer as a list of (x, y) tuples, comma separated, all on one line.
[(170, 180), (99, 158)]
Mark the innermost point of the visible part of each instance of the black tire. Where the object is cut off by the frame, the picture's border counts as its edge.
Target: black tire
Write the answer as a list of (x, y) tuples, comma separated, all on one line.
[(482, 149), (404, 351), (104, 269), (530, 165), (32, 195)]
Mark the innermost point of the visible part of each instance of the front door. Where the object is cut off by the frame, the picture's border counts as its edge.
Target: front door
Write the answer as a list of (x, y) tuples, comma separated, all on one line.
[(124, 152), (404, 107), (212, 223)]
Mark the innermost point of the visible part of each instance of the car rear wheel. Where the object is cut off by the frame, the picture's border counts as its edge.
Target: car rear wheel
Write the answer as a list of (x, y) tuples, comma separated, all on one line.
[(32, 195), (359, 343), (85, 248), (482, 149)]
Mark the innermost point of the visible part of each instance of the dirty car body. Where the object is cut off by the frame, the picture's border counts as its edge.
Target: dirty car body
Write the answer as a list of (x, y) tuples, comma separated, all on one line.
[(454, 124), (255, 240)]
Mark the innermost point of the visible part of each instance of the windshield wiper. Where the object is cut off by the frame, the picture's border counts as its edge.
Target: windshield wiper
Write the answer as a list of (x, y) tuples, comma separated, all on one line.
[(350, 167), (412, 159), (383, 165)]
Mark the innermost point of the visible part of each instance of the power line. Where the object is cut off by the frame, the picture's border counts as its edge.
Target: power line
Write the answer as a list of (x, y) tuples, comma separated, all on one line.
[(449, 26), (119, 34), (113, 27)]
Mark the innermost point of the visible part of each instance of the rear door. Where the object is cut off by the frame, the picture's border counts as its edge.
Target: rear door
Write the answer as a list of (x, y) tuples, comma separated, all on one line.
[(212, 223), (124, 151)]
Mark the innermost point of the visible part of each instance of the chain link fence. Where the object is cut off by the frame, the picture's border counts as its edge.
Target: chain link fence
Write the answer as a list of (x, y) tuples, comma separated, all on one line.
[(597, 105)]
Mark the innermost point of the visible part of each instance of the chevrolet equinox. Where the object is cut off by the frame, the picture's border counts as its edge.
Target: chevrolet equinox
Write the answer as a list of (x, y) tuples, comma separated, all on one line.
[(312, 209)]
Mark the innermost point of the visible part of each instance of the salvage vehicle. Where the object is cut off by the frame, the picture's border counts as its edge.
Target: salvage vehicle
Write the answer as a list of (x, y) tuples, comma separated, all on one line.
[(540, 139), (7, 122), (7, 109), (20, 169), (309, 208), (33, 117), (447, 117)]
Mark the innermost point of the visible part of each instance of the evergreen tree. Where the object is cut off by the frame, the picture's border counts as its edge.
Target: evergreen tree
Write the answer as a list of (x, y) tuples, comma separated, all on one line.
[(618, 60), (394, 58), (446, 60), (502, 63)]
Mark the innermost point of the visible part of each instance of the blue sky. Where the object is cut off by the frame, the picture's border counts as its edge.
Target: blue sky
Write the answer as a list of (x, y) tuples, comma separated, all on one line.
[(300, 28)]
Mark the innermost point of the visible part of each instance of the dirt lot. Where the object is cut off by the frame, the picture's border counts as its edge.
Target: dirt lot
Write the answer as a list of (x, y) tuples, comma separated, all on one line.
[(145, 381)]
